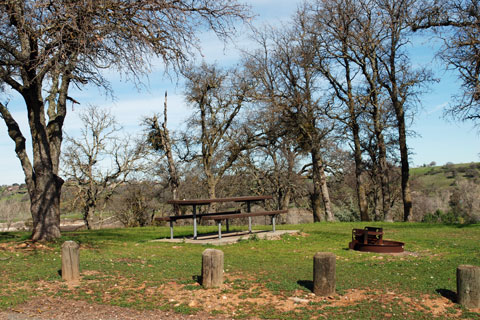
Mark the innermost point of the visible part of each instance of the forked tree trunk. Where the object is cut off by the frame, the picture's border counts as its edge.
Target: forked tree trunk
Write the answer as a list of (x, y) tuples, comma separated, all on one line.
[(42, 180)]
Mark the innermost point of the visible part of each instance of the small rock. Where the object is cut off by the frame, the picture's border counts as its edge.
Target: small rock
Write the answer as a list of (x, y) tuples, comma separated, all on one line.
[(192, 304), (298, 300)]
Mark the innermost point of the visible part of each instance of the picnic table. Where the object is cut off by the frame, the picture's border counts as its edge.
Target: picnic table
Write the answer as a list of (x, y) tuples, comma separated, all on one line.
[(219, 216)]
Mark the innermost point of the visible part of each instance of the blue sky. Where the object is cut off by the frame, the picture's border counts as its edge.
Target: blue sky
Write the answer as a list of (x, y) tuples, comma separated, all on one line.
[(436, 139)]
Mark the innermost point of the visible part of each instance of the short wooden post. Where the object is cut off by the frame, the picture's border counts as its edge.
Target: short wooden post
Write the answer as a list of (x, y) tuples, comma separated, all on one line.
[(70, 261), (468, 286), (212, 268), (324, 274)]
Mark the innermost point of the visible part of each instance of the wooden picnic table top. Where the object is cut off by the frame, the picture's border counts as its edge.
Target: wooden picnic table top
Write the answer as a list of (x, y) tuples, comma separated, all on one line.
[(186, 202)]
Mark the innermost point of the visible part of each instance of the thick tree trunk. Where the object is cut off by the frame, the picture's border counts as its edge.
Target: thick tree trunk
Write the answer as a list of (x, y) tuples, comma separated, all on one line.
[(42, 180), (211, 185), (285, 199), (45, 207)]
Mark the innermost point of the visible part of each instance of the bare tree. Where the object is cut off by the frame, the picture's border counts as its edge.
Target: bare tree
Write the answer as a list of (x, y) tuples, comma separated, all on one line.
[(400, 80), (99, 160), (47, 46), (217, 97), (331, 26), (287, 84), (275, 164), (159, 139)]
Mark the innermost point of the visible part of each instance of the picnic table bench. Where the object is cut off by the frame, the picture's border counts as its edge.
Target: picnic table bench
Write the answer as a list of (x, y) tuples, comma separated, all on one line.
[(219, 216)]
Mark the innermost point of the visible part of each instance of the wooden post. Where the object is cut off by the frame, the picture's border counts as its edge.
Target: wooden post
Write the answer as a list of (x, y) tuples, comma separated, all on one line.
[(324, 274), (212, 268), (70, 261), (468, 286)]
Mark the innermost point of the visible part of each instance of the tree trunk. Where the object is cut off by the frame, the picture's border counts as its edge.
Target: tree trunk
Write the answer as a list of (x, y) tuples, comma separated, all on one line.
[(382, 159), (384, 179), (45, 207), (355, 128), (88, 211), (361, 192), (211, 185), (402, 140), (174, 180), (320, 188), (42, 180)]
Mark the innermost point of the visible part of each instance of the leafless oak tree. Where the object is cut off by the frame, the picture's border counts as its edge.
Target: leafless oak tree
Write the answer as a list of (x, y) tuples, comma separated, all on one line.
[(47, 46), (331, 26), (216, 137), (287, 84), (99, 160)]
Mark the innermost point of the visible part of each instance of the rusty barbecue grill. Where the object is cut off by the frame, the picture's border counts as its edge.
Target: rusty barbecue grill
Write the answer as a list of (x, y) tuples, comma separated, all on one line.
[(370, 239)]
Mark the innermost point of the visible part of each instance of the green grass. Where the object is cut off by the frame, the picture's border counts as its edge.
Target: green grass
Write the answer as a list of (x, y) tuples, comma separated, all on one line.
[(121, 267)]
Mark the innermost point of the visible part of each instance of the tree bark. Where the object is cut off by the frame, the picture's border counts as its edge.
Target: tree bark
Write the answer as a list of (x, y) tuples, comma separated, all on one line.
[(318, 215), (402, 141), (355, 128), (320, 187), (45, 207), (211, 186), (361, 192), (42, 180), (174, 180)]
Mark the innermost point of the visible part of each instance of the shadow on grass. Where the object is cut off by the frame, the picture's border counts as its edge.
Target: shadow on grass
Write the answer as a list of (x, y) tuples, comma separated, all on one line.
[(14, 235), (449, 294), (198, 279), (308, 284)]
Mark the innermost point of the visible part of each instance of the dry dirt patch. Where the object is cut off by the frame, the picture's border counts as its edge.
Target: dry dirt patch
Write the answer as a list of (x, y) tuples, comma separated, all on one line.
[(239, 295)]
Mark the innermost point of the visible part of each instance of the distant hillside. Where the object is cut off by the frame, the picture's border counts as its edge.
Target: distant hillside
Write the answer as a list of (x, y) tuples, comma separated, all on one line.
[(445, 177)]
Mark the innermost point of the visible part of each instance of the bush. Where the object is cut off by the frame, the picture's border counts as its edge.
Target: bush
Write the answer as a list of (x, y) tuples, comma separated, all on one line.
[(432, 217), (136, 206), (440, 217), (465, 201)]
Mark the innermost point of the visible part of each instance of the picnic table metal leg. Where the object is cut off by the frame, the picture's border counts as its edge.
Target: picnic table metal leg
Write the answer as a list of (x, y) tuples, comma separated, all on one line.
[(220, 229), (273, 223), (249, 209), (228, 225), (195, 222), (171, 229)]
